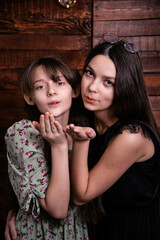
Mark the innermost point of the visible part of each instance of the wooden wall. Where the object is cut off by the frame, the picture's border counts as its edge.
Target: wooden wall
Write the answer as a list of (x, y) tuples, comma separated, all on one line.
[(31, 29), (138, 22)]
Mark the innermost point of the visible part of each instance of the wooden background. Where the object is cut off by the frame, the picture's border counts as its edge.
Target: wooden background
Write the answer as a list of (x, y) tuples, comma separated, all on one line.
[(30, 29)]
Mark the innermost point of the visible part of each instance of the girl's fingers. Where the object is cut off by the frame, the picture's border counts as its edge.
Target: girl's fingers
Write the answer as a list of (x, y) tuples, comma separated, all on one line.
[(69, 130), (42, 124), (47, 123), (91, 133), (58, 127), (52, 123), (80, 133)]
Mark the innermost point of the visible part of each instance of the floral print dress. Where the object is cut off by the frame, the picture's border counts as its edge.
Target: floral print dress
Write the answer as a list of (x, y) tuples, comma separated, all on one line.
[(29, 176)]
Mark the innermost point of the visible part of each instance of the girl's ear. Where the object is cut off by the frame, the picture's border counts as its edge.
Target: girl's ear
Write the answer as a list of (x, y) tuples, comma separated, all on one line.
[(28, 99), (76, 92)]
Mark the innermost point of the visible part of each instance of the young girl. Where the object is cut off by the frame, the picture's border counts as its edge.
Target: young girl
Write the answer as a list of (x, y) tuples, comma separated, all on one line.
[(38, 162), (124, 156)]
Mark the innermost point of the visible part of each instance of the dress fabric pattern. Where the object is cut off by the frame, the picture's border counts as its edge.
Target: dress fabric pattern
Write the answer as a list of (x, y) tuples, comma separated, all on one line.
[(29, 175), (131, 205)]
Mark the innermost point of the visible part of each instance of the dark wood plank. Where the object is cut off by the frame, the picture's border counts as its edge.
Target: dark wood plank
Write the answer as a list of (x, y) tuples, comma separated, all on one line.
[(126, 10), (31, 26), (146, 43), (9, 78), (151, 62), (157, 117), (153, 84), (11, 98), (19, 59), (38, 42), (49, 9), (155, 102), (128, 28), (129, 4), (11, 115)]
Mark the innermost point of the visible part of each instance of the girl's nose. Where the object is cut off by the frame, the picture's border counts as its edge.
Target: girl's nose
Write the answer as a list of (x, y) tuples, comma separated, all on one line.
[(93, 86), (51, 91)]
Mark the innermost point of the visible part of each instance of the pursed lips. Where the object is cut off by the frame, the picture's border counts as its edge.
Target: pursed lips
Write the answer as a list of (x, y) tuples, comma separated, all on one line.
[(53, 103), (89, 99)]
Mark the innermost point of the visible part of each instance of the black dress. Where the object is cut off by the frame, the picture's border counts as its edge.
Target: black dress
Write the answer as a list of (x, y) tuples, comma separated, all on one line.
[(131, 204)]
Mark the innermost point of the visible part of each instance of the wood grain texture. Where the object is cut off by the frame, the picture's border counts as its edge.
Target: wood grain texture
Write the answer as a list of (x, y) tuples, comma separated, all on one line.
[(50, 9), (41, 26), (44, 42), (126, 10), (20, 59), (146, 43), (137, 27)]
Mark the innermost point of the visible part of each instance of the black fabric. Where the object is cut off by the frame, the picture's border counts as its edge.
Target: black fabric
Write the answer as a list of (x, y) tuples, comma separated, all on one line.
[(131, 204)]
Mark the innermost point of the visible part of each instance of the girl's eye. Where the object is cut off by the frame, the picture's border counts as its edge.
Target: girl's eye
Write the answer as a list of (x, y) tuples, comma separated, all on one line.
[(108, 83), (89, 73), (40, 87), (60, 83)]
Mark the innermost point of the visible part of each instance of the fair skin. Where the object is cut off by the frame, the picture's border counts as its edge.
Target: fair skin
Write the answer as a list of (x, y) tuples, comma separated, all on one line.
[(53, 100), (123, 151)]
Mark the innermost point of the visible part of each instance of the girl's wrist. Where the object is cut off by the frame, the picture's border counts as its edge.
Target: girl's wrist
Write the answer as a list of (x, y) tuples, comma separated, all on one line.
[(60, 145)]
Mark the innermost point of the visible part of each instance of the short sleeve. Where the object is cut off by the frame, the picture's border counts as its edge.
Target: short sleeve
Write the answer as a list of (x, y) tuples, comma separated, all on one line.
[(27, 167)]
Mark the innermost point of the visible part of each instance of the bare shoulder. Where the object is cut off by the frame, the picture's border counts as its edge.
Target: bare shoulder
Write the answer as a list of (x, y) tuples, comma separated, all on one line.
[(134, 144)]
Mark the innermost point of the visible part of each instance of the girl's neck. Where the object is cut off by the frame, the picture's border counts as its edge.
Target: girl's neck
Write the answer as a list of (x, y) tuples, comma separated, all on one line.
[(103, 122), (63, 120)]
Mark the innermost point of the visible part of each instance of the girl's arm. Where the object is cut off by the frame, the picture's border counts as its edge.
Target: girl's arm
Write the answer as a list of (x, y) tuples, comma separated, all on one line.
[(122, 152), (58, 192)]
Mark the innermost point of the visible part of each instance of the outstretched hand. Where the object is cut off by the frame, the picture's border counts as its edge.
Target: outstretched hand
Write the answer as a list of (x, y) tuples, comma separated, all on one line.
[(80, 133), (50, 129)]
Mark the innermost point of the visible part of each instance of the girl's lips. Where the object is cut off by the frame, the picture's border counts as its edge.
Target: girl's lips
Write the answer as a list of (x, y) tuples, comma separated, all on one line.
[(53, 104), (90, 100)]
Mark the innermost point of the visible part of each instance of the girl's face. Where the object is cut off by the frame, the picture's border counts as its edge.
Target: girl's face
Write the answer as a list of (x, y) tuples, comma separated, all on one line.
[(97, 84), (50, 96)]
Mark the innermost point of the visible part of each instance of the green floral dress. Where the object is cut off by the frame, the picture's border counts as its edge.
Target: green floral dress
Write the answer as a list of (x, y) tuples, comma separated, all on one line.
[(29, 176)]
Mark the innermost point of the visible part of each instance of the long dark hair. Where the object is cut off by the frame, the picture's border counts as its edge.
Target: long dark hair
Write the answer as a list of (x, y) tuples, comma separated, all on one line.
[(131, 100)]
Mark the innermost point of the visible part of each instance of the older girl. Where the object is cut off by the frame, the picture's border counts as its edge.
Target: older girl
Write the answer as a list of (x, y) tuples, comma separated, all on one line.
[(124, 157)]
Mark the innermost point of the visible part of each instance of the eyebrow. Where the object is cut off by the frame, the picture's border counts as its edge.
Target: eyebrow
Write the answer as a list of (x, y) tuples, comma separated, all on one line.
[(108, 77), (60, 76), (36, 81), (88, 66)]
